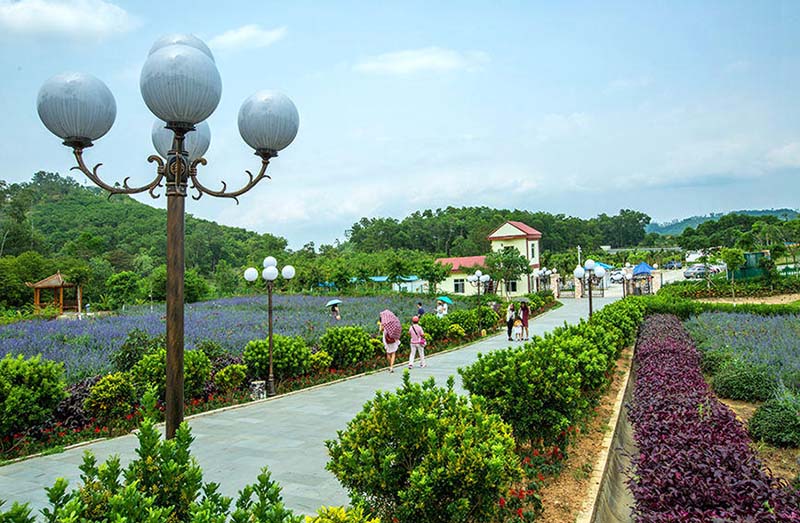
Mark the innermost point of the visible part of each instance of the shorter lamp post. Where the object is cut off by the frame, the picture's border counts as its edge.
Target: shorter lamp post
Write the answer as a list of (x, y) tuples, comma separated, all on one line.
[(626, 284), (270, 274), (590, 271), (479, 279)]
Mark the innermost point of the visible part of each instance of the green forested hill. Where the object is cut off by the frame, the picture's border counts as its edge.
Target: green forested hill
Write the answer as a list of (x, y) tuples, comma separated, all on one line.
[(676, 227)]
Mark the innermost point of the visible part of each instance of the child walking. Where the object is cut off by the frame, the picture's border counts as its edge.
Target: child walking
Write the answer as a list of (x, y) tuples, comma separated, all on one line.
[(417, 342), (518, 329)]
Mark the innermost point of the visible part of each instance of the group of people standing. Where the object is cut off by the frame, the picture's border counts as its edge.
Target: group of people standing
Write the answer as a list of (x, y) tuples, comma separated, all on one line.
[(517, 321)]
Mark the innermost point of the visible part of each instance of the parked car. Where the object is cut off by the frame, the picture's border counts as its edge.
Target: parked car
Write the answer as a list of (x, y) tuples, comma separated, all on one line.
[(672, 264), (616, 276), (695, 271)]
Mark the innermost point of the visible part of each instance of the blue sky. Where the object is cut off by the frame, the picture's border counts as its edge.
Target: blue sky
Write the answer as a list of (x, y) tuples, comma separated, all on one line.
[(672, 108)]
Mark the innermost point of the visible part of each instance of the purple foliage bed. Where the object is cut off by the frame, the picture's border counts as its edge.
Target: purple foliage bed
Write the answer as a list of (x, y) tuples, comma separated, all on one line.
[(694, 462)]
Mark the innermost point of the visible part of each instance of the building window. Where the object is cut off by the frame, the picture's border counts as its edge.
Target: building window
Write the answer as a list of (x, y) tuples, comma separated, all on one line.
[(533, 251), (458, 286), (511, 286)]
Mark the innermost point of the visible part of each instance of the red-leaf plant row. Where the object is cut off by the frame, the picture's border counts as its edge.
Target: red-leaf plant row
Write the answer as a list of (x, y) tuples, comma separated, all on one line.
[(695, 463)]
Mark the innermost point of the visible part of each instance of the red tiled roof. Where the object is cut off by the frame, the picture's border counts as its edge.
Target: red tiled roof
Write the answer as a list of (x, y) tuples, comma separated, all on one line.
[(526, 231), (463, 261)]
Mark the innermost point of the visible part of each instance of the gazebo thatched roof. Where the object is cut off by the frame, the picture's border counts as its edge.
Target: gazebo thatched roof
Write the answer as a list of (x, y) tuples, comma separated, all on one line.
[(51, 282)]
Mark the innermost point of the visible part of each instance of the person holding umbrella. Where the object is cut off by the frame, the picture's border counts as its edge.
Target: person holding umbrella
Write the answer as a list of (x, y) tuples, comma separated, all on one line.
[(334, 305), (390, 327)]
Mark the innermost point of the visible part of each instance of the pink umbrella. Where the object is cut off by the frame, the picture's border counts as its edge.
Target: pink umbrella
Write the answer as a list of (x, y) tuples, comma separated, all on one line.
[(391, 326)]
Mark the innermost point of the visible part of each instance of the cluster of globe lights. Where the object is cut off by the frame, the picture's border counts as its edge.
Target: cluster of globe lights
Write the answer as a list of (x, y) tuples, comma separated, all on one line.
[(181, 86), (478, 277), (544, 271), (270, 272), (589, 268)]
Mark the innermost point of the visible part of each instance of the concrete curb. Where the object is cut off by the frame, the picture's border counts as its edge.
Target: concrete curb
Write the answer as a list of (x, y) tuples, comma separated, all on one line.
[(600, 481)]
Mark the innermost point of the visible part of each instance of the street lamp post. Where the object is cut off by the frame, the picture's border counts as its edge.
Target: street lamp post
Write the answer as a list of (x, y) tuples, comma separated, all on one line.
[(479, 279), (590, 271), (270, 274), (181, 86)]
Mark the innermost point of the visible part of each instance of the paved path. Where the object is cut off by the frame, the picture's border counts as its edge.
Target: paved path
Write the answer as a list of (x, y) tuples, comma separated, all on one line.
[(286, 433)]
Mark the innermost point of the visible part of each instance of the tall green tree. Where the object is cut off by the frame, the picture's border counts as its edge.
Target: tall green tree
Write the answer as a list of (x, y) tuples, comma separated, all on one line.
[(733, 258), (507, 265)]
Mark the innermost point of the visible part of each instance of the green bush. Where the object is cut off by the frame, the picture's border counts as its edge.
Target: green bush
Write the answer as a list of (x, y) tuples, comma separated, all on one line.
[(487, 318), (435, 327), (346, 345), (741, 380), (136, 344), (29, 391), (424, 453), (230, 378), (456, 332), (111, 398), (467, 319), (321, 361), (163, 484), (711, 361), (535, 388), (777, 422), (290, 357), (377, 346), (151, 371), (212, 349), (341, 515)]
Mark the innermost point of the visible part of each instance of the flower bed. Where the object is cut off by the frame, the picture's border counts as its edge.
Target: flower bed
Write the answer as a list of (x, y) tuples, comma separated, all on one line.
[(695, 462)]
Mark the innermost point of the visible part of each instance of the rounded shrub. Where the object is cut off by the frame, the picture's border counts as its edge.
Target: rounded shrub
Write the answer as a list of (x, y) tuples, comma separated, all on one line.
[(321, 361), (111, 398), (211, 348), (290, 357), (456, 332), (29, 391), (466, 319), (151, 371), (347, 345), (777, 422), (424, 453), (711, 361), (136, 345), (741, 380), (436, 327), (230, 378), (487, 318), (341, 515)]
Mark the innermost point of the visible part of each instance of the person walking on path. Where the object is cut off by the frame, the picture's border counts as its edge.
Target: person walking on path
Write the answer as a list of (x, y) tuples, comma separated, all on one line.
[(391, 329), (418, 342), (335, 313), (420, 310), (511, 315), (524, 312)]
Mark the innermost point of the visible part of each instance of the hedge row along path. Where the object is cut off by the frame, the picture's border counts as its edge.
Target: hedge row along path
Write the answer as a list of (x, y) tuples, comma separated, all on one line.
[(286, 433)]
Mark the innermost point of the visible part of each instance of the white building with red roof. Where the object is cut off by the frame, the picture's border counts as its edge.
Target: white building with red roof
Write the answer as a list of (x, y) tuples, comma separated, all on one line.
[(518, 235)]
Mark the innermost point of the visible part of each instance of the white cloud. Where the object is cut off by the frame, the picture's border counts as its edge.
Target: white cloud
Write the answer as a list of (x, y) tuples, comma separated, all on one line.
[(785, 156), (78, 19), (426, 59), (247, 37)]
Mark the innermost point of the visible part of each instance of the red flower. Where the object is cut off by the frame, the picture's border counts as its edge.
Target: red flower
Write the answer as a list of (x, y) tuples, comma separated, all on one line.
[(540, 476), (519, 512), (97, 430), (527, 460), (535, 452), (502, 502)]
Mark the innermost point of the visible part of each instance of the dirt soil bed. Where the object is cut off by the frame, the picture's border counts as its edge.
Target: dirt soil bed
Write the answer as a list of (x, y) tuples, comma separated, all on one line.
[(780, 299), (564, 496), (782, 462)]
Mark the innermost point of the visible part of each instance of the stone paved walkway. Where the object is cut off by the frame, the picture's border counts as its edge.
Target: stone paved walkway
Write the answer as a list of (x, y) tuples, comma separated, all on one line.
[(286, 433)]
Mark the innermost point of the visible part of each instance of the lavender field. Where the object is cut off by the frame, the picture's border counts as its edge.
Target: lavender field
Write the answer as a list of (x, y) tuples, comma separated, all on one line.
[(85, 346), (769, 340)]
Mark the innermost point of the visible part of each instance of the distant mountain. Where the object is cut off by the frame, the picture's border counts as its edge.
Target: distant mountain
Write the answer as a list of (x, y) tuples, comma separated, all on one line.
[(676, 227)]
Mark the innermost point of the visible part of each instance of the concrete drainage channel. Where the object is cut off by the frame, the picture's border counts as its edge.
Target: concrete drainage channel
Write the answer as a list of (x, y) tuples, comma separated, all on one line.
[(610, 499)]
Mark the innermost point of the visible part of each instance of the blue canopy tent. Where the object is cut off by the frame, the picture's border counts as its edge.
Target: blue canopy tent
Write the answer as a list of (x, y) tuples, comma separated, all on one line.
[(643, 269), (604, 265)]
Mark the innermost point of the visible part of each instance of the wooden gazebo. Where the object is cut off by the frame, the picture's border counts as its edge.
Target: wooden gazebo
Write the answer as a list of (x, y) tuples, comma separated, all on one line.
[(57, 283)]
